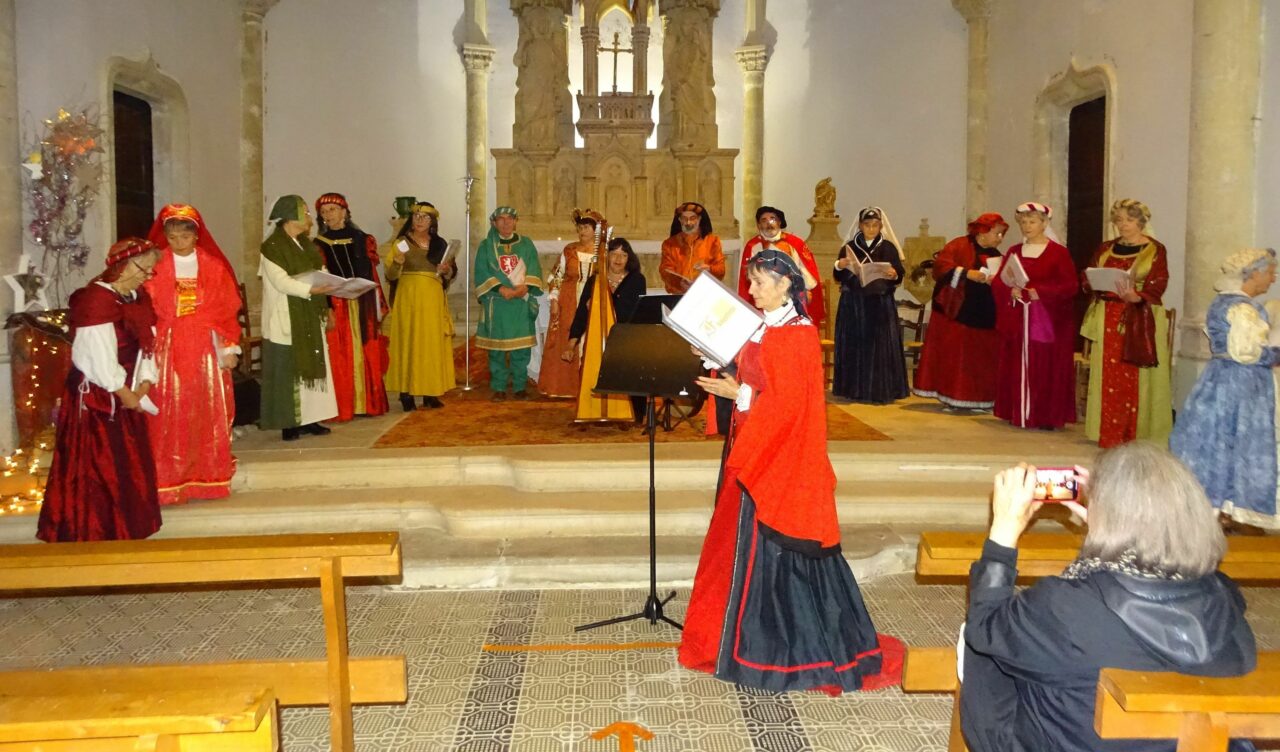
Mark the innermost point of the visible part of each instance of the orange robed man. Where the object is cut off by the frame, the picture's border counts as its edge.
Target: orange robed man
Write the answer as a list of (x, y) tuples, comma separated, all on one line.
[(770, 224), (691, 248)]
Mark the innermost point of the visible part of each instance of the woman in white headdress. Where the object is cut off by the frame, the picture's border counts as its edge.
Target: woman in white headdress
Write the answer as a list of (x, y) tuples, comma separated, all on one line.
[(1035, 319), (869, 366), (1226, 431), (1129, 396)]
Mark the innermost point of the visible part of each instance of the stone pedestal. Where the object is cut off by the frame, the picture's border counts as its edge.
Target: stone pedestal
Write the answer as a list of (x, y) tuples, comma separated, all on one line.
[(1225, 65), (824, 240), (11, 229)]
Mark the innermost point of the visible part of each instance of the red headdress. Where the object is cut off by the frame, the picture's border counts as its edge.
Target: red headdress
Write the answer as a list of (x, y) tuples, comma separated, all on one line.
[(204, 239), (337, 199), (126, 249), (986, 222)]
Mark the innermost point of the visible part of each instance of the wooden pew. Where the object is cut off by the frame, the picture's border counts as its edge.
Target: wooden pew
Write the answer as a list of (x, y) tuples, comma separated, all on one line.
[(933, 670), (948, 555), (1202, 713), (176, 721), (337, 681)]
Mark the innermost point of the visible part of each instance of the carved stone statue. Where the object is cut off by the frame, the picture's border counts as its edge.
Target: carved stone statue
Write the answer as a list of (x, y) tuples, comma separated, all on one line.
[(688, 100), (565, 198), (824, 199), (709, 188), (664, 193), (542, 78)]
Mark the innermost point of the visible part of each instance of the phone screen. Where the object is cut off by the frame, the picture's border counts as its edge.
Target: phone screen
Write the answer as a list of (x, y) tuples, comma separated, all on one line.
[(1056, 484)]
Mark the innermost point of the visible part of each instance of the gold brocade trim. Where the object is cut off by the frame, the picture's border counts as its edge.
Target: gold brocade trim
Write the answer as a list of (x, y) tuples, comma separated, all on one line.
[(504, 345), (486, 286), (339, 241), (187, 296)]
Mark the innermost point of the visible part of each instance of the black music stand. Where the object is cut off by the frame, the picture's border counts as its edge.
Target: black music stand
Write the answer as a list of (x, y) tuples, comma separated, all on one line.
[(650, 361), (649, 311)]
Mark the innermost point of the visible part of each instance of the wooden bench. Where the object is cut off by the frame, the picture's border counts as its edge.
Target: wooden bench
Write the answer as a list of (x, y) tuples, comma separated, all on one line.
[(1202, 713), (948, 555), (177, 721), (337, 680)]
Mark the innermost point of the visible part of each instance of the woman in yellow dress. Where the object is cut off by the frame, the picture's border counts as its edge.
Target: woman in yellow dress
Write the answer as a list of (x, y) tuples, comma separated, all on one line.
[(420, 326)]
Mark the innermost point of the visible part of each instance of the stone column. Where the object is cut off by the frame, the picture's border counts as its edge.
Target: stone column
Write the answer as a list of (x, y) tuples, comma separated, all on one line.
[(11, 228), (977, 14), (1226, 58), (590, 59), (752, 60), (640, 59), (476, 60), (252, 202)]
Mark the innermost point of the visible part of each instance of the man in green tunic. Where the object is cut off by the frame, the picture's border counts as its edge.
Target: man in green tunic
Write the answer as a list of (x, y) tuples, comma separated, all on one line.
[(508, 278)]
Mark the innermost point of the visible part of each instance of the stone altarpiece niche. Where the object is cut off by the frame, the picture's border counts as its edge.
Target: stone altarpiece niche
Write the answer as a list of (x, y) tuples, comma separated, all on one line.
[(545, 175)]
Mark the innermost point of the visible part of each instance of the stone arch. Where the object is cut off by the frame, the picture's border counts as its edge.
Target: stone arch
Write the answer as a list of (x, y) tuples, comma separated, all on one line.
[(170, 132), (1073, 86)]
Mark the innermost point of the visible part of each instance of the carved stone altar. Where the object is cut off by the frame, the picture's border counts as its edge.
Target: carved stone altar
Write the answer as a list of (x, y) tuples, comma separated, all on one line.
[(544, 175)]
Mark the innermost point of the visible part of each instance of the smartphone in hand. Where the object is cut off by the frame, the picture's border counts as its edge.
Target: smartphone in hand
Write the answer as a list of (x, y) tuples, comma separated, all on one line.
[(1056, 484)]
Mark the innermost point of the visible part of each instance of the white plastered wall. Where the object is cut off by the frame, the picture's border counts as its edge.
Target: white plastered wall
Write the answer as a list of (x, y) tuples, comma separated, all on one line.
[(64, 49)]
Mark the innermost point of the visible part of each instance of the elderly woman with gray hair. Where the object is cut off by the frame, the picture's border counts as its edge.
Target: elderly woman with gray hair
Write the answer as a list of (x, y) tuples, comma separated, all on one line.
[(1226, 432), (1144, 595)]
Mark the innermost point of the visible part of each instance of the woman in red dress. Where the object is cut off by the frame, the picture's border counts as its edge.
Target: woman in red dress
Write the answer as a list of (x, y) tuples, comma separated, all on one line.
[(196, 300), (1129, 400), (559, 376), (774, 604), (102, 482), (958, 360), (1035, 378)]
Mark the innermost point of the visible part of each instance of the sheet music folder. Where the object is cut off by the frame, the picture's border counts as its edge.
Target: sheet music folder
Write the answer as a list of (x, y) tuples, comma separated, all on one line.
[(647, 359)]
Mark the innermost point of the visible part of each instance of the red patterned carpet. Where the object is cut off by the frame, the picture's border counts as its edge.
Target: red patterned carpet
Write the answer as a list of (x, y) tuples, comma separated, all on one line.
[(471, 419)]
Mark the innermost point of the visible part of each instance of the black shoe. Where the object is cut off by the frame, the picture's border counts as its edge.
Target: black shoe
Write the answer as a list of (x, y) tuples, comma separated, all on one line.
[(520, 395), (432, 402), (315, 429), (406, 402), (498, 397), (289, 434)]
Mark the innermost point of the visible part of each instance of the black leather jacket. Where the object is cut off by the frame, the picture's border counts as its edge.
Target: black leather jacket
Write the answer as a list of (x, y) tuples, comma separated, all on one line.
[(1050, 640)]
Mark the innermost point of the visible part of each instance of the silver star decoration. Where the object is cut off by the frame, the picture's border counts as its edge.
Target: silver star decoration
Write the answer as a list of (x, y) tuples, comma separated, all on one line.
[(28, 286)]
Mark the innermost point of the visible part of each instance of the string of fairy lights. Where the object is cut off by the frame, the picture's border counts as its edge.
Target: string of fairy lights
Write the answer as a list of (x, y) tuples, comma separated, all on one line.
[(28, 461)]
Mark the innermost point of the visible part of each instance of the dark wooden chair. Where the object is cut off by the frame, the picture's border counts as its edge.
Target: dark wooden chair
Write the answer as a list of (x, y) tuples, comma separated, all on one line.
[(250, 346)]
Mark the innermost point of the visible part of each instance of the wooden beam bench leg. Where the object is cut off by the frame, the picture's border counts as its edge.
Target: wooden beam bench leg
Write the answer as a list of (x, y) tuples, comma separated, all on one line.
[(1204, 732), (955, 742), (333, 597)]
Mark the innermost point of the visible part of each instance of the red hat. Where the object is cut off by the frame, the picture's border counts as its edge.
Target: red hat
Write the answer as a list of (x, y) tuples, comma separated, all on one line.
[(336, 199), (126, 249), (986, 222)]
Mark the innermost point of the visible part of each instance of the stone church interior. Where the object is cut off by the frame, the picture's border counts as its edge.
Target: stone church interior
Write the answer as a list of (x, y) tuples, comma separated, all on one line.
[(658, 375)]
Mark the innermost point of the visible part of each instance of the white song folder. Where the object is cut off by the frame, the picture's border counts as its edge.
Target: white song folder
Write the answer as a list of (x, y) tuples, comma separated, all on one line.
[(713, 319)]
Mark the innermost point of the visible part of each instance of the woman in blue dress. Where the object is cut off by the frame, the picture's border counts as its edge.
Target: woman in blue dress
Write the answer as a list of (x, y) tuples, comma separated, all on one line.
[(1226, 432)]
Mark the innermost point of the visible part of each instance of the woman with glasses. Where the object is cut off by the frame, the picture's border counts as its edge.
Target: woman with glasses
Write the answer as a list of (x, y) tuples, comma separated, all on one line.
[(102, 483), (193, 291)]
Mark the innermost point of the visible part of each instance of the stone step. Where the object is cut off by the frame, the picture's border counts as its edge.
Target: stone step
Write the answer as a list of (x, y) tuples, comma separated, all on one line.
[(678, 467), (500, 512)]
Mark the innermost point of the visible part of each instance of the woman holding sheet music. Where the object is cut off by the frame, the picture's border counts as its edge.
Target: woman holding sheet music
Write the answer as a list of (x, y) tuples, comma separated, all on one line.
[(958, 361), (869, 365), (774, 538), (420, 326), (1129, 394), (1034, 290)]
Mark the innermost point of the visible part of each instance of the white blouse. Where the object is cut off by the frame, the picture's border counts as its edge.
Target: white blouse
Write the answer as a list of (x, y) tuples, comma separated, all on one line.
[(95, 352)]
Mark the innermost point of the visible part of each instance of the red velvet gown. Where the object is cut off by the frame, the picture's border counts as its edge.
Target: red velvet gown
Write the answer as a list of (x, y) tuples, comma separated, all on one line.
[(958, 360), (102, 481), (1038, 390), (358, 355), (774, 604), (191, 437)]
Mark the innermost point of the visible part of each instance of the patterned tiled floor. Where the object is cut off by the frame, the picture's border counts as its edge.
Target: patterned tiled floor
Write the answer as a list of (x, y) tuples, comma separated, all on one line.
[(464, 698)]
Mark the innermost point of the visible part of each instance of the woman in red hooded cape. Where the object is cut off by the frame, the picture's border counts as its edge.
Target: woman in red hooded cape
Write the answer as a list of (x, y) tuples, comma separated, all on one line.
[(196, 300), (774, 604)]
